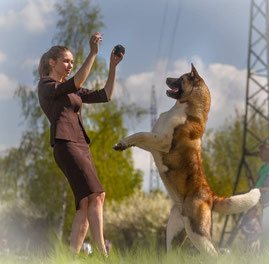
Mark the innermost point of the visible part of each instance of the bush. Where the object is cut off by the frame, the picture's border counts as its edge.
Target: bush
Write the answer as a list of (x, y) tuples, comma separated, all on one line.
[(23, 229), (140, 219)]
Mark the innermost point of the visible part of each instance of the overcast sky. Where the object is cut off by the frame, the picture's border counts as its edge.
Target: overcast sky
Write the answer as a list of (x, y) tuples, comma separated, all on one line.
[(211, 34)]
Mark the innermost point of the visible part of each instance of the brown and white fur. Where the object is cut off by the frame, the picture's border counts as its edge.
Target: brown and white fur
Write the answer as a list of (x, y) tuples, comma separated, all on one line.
[(175, 143)]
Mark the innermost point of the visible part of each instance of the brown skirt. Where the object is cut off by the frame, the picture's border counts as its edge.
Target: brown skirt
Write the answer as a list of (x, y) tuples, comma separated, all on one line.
[(75, 161)]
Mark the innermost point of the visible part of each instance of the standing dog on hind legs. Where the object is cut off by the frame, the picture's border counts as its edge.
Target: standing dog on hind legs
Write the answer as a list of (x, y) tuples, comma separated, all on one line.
[(175, 143)]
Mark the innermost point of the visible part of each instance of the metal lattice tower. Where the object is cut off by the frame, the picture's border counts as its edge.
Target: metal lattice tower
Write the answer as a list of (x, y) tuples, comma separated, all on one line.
[(257, 105), (154, 181)]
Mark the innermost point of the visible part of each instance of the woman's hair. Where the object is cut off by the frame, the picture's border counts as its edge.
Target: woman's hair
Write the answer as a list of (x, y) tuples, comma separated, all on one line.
[(53, 53)]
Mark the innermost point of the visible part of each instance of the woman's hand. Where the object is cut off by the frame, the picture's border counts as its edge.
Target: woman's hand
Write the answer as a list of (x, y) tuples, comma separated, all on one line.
[(115, 60), (94, 42), (109, 86)]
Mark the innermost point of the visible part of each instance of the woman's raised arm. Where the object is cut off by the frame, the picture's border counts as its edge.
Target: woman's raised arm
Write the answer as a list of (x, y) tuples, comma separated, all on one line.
[(109, 86), (82, 74)]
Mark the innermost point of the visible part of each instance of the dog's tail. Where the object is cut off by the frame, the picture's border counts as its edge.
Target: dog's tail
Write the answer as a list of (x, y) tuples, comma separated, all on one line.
[(237, 203)]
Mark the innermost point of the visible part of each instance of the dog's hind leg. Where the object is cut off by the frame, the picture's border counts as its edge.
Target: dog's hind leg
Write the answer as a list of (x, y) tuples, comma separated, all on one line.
[(198, 227), (174, 226)]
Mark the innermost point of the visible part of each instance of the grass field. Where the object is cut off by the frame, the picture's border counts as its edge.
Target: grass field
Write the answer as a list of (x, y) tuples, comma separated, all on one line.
[(61, 255)]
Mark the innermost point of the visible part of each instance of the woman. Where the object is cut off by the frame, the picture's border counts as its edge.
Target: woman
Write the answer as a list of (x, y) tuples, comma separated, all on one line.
[(61, 101)]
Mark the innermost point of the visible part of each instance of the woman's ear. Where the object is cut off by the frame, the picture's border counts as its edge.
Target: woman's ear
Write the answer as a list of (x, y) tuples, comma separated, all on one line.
[(52, 62)]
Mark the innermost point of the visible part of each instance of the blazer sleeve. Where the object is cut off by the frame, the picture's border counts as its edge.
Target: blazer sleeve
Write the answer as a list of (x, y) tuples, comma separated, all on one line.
[(92, 96), (50, 88)]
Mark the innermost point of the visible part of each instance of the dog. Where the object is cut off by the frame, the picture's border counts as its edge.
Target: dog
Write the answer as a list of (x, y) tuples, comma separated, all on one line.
[(175, 143)]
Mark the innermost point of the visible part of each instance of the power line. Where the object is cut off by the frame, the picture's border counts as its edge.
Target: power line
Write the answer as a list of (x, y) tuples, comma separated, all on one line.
[(171, 48), (154, 176), (160, 42), (162, 29), (174, 33)]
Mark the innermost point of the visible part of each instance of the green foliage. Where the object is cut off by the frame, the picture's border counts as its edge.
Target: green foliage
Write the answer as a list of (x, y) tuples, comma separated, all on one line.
[(23, 228), (222, 151), (29, 172), (115, 169), (78, 21), (139, 220)]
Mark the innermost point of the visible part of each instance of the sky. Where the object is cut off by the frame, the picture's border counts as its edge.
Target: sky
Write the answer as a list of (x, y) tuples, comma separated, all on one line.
[(162, 38)]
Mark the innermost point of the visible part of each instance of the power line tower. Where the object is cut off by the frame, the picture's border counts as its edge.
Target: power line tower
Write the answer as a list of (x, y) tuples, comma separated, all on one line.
[(257, 104), (154, 181)]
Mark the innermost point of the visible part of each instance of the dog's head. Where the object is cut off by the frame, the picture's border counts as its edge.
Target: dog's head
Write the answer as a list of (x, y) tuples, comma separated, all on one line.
[(182, 87), (190, 88)]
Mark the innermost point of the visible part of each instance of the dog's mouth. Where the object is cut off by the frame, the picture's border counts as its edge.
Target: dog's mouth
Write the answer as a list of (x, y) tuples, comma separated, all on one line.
[(175, 91)]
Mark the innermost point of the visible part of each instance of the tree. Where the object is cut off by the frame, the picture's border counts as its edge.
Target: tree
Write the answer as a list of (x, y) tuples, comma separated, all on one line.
[(115, 169), (30, 173), (36, 178), (78, 21), (222, 150)]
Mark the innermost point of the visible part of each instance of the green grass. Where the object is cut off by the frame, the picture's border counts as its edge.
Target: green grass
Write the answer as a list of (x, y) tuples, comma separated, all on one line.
[(61, 255)]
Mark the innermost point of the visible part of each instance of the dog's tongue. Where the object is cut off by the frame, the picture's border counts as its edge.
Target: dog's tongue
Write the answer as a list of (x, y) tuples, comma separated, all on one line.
[(175, 90)]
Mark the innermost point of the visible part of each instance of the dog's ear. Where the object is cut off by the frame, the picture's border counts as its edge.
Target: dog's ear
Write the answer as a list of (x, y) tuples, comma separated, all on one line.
[(194, 73)]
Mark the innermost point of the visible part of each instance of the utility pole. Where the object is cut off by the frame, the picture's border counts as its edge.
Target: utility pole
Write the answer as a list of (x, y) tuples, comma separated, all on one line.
[(154, 180), (256, 105)]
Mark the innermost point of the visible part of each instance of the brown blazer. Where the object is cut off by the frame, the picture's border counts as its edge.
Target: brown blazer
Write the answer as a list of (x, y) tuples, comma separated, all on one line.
[(61, 103)]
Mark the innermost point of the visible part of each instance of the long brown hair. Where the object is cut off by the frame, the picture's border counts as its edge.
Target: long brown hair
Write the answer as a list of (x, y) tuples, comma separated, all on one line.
[(53, 53)]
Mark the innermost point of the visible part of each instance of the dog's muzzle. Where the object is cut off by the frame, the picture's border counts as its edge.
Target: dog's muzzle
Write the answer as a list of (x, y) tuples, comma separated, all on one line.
[(175, 88)]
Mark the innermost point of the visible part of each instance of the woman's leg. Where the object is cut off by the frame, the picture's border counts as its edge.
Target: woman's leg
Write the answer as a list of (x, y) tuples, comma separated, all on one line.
[(95, 216), (79, 227)]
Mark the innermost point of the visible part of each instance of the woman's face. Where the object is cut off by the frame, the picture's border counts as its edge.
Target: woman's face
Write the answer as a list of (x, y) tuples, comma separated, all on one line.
[(63, 65)]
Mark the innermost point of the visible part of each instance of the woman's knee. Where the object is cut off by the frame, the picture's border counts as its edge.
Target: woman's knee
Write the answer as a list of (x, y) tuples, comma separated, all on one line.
[(102, 196), (98, 198), (83, 204)]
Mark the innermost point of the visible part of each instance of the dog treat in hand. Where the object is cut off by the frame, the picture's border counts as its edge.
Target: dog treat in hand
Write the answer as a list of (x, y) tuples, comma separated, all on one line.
[(118, 49)]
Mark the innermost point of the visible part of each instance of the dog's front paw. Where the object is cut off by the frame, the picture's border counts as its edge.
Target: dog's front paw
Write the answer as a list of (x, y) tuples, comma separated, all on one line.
[(120, 146)]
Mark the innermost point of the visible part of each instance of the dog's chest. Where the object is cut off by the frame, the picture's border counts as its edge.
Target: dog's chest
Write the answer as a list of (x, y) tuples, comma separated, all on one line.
[(165, 126), (167, 121)]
